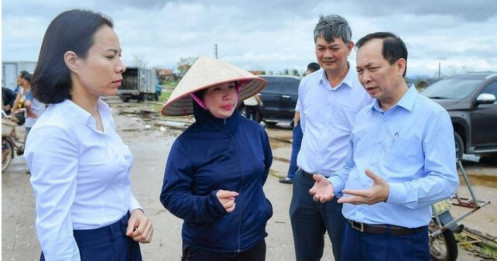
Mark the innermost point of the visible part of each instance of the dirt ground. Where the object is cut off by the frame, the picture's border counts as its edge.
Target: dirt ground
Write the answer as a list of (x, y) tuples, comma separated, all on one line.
[(150, 137)]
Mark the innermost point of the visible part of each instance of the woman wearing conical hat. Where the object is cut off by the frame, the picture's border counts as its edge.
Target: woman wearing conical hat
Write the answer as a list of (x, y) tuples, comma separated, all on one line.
[(217, 167)]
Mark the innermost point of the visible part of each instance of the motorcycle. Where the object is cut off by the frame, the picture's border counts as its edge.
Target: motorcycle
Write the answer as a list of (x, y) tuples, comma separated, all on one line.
[(443, 244), (10, 144)]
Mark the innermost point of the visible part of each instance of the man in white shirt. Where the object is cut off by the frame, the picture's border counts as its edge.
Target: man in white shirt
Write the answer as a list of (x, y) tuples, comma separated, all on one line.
[(329, 100)]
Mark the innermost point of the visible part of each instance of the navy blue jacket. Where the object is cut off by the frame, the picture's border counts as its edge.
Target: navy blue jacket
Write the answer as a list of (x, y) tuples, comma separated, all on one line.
[(213, 154)]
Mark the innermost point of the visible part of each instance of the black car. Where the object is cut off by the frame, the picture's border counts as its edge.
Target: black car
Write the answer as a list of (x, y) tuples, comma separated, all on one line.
[(279, 99), (470, 99)]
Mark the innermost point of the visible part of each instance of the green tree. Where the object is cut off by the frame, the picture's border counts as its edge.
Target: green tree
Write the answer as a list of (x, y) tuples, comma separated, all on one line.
[(185, 63), (295, 72)]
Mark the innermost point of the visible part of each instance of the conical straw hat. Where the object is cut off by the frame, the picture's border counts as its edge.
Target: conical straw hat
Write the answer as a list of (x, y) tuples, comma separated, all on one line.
[(204, 73)]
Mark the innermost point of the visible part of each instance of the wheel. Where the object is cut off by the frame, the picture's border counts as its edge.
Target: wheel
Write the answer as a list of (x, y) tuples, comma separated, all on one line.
[(271, 123), (7, 154), (443, 247), (459, 146)]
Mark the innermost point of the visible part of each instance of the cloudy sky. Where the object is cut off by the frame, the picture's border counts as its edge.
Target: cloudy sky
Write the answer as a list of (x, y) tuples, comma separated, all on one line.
[(270, 35)]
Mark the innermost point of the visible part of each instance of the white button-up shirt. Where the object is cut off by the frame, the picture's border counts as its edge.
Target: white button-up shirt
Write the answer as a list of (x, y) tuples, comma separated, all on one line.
[(80, 176), (327, 115)]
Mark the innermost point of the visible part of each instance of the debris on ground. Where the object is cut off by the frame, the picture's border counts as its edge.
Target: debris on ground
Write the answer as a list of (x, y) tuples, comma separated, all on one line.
[(480, 244)]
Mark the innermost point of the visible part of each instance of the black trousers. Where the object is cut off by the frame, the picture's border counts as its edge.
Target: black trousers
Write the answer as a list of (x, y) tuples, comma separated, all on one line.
[(256, 253)]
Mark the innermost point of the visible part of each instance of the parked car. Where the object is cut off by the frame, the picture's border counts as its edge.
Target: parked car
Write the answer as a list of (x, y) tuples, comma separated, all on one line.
[(279, 99), (470, 99)]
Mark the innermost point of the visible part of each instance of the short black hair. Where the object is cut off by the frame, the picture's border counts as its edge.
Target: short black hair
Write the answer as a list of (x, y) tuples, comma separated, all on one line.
[(28, 77), (313, 67), (71, 30), (393, 47), (23, 74)]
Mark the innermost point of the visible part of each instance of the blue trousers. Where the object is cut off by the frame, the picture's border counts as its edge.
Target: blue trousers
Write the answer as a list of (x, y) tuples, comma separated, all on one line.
[(297, 136), (108, 243), (310, 220), (359, 246)]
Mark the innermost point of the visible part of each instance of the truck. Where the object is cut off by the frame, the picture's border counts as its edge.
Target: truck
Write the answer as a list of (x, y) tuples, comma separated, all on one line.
[(138, 83), (11, 69)]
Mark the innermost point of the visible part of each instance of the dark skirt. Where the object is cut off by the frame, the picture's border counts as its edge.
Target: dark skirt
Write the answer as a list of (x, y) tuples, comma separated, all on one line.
[(107, 243)]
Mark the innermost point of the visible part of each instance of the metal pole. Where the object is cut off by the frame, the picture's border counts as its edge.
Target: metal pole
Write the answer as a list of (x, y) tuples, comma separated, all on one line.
[(465, 176), (439, 69)]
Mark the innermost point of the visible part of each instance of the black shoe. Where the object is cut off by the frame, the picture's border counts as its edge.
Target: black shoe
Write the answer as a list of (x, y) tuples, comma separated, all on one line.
[(286, 180)]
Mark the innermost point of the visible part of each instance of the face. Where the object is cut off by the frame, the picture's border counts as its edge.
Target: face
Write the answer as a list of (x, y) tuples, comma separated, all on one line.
[(20, 81), (332, 56), (221, 100), (100, 73), (381, 79)]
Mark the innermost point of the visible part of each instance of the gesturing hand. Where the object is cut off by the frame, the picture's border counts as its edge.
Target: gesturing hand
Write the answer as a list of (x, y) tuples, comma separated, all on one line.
[(322, 190), (377, 193), (227, 199)]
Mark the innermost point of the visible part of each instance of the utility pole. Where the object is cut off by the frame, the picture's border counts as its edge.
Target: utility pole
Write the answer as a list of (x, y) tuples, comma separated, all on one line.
[(439, 69), (215, 50)]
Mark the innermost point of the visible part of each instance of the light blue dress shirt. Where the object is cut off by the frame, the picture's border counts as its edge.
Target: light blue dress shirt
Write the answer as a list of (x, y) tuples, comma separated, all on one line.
[(80, 176), (411, 146), (327, 116)]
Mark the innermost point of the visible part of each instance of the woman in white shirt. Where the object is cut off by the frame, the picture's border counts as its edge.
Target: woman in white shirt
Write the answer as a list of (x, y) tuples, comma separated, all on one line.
[(79, 164)]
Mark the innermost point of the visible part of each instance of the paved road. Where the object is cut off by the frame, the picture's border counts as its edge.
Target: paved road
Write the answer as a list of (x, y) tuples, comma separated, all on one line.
[(150, 148)]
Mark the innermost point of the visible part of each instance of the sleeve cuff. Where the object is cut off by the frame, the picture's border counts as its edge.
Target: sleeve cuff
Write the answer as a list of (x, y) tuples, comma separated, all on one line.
[(337, 183), (397, 193), (133, 203)]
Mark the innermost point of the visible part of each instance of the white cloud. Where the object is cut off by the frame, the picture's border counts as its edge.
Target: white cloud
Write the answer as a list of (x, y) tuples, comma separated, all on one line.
[(269, 35)]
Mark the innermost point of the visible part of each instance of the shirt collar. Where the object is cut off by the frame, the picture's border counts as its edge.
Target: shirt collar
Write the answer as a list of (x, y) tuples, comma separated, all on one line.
[(82, 115), (347, 80), (406, 102)]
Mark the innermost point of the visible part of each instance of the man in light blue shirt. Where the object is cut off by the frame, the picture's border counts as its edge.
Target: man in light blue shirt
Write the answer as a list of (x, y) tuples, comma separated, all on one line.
[(402, 160), (329, 100)]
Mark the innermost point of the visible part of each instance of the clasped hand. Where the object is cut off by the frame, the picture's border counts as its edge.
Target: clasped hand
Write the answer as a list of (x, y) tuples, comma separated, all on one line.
[(139, 228), (227, 199), (323, 191)]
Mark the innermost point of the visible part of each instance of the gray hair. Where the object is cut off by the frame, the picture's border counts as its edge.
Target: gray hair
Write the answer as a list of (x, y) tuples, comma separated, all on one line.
[(332, 26)]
